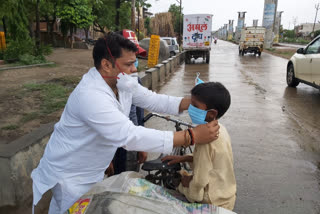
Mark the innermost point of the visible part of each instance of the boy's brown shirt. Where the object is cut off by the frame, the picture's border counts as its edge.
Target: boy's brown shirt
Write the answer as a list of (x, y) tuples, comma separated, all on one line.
[(213, 179)]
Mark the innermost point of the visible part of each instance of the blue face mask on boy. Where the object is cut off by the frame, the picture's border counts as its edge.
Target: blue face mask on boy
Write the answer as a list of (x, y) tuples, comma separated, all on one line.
[(198, 80), (198, 116), (136, 63)]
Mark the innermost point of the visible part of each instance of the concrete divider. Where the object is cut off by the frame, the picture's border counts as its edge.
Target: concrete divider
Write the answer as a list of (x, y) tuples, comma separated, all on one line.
[(170, 65), (153, 72), (161, 72), (166, 67), (20, 157), (17, 160)]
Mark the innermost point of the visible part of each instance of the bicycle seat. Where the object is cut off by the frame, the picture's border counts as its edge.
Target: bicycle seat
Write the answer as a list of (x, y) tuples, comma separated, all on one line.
[(157, 164)]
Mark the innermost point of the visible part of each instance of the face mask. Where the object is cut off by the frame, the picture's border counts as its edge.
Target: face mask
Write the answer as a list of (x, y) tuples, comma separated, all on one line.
[(126, 83), (136, 63), (134, 76), (197, 115), (198, 80)]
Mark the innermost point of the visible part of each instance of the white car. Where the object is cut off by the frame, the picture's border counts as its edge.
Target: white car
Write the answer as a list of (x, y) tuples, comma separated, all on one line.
[(304, 66), (173, 45)]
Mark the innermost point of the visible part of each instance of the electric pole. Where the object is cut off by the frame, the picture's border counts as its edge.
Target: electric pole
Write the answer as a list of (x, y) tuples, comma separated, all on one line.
[(315, 19)]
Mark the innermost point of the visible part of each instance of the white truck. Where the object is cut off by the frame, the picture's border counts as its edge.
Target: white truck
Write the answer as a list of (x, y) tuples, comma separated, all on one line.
[(197, 36), (252, 40)]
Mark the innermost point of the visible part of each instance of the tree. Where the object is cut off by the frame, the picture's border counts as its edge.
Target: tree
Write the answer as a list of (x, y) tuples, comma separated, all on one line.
[(175, 11), (147, 23), (75, 14), (105, 15)]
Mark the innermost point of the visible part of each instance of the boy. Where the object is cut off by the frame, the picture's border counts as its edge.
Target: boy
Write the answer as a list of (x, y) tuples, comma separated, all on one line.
[(213, 180)]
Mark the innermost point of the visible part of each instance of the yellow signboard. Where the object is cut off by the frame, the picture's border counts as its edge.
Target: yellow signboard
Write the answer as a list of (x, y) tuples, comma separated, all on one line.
[(154, 47), (2, 41)]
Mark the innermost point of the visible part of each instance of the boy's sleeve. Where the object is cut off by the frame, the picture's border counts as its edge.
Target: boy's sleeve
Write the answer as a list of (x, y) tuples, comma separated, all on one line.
[(202, 161)]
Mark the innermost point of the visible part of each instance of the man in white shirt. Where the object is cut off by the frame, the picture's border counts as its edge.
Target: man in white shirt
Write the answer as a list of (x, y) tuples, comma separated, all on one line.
[(95, 123)]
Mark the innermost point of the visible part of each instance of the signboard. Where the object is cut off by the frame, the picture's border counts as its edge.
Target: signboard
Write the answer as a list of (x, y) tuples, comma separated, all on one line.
[(2, 41), (154, 47), (197, 30), (268, 15)]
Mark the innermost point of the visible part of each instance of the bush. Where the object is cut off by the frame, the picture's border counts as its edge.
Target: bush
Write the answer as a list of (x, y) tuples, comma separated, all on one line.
[(26, 52), (29, 59), (17, 48), (316, 33), (45, 50)]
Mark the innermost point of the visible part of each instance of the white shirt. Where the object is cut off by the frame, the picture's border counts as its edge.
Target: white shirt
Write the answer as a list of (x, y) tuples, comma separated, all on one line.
[(92, 126)]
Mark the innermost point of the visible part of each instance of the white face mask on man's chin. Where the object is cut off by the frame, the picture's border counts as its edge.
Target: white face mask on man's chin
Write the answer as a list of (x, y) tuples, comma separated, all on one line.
[(135, 75), (127, 82)]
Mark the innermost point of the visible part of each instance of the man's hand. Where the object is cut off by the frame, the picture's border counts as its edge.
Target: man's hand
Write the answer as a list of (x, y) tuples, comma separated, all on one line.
[(142, 157), (177, 159), (185, 180), (110, 170), (206, 133), (184, 104)]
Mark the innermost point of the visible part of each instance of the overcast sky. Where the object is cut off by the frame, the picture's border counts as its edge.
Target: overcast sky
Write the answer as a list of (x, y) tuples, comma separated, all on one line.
[(224, 10)]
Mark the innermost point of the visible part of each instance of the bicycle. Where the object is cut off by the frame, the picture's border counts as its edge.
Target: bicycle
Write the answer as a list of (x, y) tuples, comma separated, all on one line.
[(166, 175)]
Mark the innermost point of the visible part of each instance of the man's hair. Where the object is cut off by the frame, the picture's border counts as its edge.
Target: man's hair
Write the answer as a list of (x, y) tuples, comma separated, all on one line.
[(214, 95), (115, 42)]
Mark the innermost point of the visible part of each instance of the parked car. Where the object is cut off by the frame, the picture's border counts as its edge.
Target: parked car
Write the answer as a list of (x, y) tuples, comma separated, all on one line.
[(304, 66), (173, 45)]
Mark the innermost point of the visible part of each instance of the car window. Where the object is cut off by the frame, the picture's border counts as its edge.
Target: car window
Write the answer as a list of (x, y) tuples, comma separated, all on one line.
[(314, 47), (173, 42), (168, 41)]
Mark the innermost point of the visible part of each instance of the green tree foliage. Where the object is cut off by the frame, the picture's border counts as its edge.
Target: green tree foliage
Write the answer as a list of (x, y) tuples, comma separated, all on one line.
[(289, 34), (77, 13), (147, 25), (316, 33), (175, 11), (105, 15), (125, 15)]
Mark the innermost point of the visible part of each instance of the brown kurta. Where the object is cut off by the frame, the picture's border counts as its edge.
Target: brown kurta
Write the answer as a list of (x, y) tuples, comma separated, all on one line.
[(213, 179)]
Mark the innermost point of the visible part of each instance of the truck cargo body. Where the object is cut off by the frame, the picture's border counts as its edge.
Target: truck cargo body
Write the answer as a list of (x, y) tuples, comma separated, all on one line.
[(252, 40), (197, 36)]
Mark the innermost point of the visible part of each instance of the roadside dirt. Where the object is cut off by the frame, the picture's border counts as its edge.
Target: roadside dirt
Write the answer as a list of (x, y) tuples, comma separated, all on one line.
[(15, 104), (19, 109)]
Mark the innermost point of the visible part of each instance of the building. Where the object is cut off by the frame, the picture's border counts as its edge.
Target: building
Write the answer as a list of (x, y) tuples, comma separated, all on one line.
[(306, 28)]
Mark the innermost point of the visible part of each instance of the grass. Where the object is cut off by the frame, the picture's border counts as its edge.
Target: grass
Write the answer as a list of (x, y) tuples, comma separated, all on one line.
[(52, 96), (30, 116), (285, 53), (10, 127)]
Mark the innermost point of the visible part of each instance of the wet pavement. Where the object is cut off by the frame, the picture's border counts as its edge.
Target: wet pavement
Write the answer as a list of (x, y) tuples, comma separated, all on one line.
[(274, 129)]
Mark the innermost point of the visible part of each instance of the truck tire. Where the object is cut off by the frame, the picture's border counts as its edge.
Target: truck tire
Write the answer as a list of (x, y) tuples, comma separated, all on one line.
[(291, 79), (208, 57), (187, 58)]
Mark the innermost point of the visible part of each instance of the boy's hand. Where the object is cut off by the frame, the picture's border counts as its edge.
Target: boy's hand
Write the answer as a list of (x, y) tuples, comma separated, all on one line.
[(185, 180), (142, 157), (173, 159), (206, 133)]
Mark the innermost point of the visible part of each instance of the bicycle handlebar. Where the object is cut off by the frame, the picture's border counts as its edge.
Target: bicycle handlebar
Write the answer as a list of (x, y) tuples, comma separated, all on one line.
[(178, 122)]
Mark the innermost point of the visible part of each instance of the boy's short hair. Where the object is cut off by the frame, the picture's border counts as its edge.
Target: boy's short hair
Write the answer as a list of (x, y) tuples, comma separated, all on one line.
[(115, 42), (214, 95)]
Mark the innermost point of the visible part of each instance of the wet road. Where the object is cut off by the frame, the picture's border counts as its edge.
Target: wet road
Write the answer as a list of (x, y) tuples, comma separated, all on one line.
[(274, 130)]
